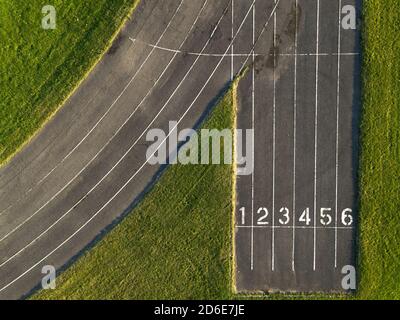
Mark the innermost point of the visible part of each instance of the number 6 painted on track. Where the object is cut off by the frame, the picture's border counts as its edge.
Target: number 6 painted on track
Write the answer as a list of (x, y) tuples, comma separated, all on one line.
[(347, 218)]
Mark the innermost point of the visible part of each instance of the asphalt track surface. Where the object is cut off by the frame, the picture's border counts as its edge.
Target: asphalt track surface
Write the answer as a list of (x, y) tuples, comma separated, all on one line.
[(87, 166), (303, 102)]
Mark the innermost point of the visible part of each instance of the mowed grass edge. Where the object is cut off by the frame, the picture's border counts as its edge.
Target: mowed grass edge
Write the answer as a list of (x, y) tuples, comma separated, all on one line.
[(42, 68), (380, 153)]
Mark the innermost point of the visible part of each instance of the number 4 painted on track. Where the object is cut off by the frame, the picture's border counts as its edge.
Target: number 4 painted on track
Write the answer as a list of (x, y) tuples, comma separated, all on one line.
[(305, 217)]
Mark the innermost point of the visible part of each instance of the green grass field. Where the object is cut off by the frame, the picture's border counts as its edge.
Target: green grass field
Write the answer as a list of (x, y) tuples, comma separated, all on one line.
[(40, 68), (380, 159), (177, 243)]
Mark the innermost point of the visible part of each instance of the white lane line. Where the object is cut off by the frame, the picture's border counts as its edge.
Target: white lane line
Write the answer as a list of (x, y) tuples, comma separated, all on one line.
[(102, 117), (294, 136), (273, 148), (239, 55), (232, 34), (260, 35), (318, 54), (183, 52), (316, 138), (325, 54), (346, 54), (253, 126), (108, 142), (337, 131), (143, 165)]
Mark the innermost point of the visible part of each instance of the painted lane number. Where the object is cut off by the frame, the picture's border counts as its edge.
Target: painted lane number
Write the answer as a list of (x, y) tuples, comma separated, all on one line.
[(325, 216)]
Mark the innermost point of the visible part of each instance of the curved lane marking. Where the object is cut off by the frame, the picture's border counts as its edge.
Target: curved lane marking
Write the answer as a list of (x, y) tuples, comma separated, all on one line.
[(99, 121), (131, 178), (143, 165)]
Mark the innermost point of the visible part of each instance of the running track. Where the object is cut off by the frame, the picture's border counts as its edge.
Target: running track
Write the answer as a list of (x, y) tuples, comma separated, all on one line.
[(297, 213), (87, 166)]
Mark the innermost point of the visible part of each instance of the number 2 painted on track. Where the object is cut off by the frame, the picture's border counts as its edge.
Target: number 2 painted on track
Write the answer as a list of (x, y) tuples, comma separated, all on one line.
[(261, 220)]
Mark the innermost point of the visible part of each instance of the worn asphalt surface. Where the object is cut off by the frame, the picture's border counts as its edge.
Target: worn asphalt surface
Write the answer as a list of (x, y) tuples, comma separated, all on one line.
[(304, 112)]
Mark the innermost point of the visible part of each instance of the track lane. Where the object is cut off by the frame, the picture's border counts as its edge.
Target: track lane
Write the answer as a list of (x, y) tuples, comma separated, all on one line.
[(305, 155), (67, 235)]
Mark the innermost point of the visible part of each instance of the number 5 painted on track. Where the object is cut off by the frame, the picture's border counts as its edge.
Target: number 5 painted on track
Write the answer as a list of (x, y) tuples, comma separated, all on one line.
[(326, 218)]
